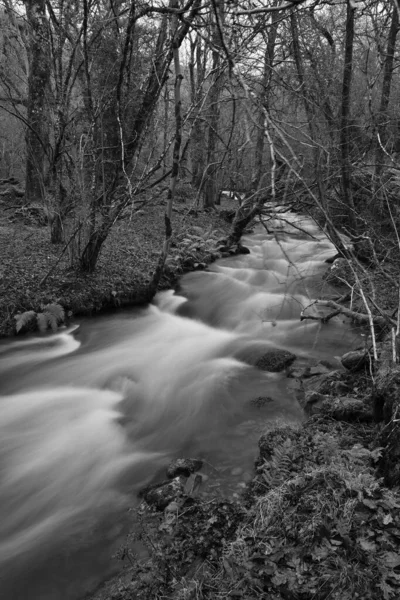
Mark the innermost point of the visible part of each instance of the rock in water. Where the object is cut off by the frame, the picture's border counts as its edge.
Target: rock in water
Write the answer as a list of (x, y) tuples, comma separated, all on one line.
[(183, 466), (275, 361), (160, 495), (355, 360)]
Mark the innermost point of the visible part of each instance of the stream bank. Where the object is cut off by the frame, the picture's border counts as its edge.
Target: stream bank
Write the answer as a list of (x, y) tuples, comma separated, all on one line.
[(35, 273), (315, 522)]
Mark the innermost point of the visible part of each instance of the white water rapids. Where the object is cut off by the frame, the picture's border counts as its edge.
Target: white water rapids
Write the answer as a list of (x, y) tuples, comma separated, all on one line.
[(89, 415)]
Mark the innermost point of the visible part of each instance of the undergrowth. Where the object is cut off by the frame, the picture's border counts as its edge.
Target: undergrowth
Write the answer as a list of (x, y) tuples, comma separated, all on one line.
[(316, 524)]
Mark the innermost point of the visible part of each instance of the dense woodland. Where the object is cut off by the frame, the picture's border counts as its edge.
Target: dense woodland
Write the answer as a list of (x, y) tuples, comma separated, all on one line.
[(106, 103)]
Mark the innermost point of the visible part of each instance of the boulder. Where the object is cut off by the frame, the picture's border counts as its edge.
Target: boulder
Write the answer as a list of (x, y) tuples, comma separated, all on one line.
[(349, 409), (340, 273), (242, 249), (183, 466), (344, 408), (355, 360), (261, 401), (313, 402), (160, 495), (275, 361)]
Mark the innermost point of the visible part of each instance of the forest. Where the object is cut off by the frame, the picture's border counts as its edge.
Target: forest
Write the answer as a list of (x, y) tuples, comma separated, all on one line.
[(108, 106), (139, 141)]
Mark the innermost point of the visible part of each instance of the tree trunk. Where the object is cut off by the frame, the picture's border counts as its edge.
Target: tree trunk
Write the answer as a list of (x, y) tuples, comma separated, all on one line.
[(176, 153), (38, 82), (263, 101), (155, 84), (344, 122), (211, 188), (197, 131), (308, 104), (385, 94)]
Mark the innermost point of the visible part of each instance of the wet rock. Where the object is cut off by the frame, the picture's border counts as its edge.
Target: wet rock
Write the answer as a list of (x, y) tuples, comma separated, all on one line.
[(297, 373), (275, 361), (183, 466), (308, 372), (340, 273), (355, 360), (349, 409), (242, 249), (331, 384), (261, 401), (159, 495), (343, 408), (313, 402)]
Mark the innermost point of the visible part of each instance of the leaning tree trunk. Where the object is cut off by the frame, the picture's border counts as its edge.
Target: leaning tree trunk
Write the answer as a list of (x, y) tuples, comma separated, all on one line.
[(38, 81)]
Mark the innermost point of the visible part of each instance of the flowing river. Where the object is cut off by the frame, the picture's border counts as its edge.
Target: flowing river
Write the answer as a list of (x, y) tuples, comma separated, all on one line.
[(91, 414)]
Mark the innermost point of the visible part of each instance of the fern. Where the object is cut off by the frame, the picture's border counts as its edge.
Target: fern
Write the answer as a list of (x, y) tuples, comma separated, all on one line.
[(51, 317), (279, 467), (24, 319), (41, 322), (56, 310)]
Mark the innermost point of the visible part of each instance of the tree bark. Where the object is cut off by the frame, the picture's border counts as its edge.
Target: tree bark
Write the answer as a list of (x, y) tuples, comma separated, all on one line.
[(38, 81), (263, 100), (211, 187), (382, 118), (176, 152), (308, 103), (345, 118)]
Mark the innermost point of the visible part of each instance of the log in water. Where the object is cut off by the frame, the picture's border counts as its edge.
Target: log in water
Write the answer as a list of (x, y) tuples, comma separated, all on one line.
[(89, 415)]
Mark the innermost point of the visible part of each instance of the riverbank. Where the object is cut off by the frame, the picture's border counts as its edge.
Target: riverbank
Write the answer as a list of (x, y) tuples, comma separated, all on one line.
[(316, 521), (35, 273)]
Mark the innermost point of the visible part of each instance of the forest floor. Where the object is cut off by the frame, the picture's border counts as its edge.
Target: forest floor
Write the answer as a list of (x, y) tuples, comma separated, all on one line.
[(317, 522), (35, 273)]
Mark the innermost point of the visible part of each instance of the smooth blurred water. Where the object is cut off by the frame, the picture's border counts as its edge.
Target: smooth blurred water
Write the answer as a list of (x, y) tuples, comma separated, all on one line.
[(89, 415)]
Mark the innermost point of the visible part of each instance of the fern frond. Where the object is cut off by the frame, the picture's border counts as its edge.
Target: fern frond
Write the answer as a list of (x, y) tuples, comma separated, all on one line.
[(51, 320), (279, 467), (41, 322), (56, 311), (24, 319)]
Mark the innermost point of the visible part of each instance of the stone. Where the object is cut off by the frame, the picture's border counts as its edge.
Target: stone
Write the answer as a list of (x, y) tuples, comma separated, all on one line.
[(275, 361), (242, 249), (183, 466), (313, 402), (340, 273), (160, 495), (261, 401), (355, 360), (350, 409)]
